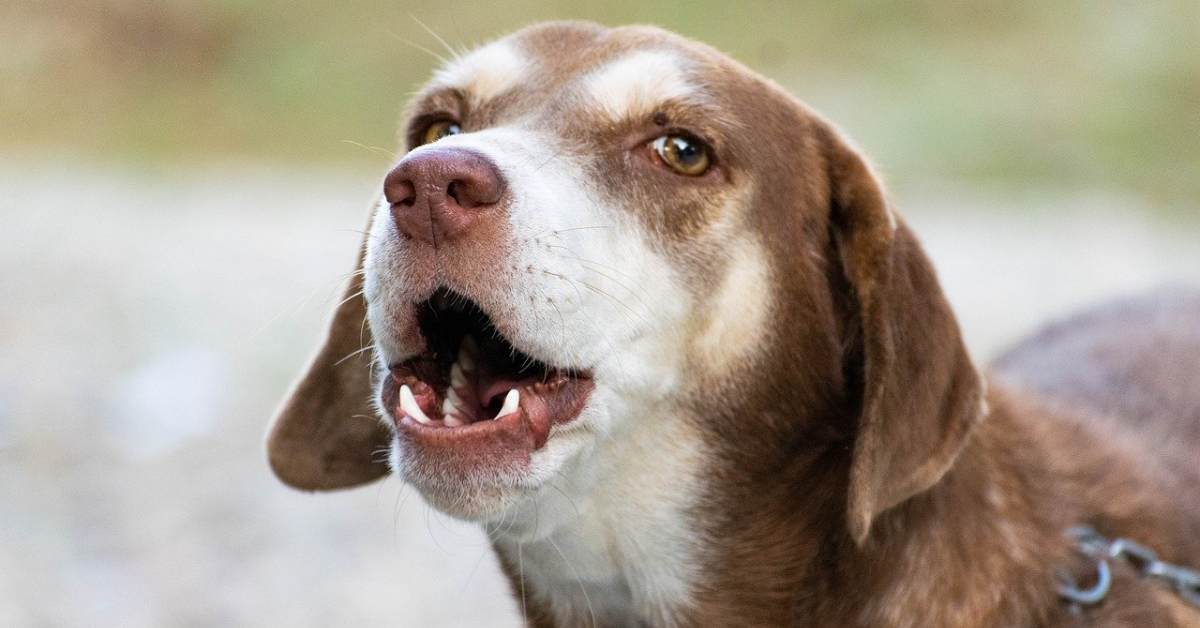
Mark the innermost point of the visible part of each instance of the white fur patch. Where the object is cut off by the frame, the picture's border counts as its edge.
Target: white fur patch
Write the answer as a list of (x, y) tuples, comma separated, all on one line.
[(485, 72), (636, 83), (739, 309), (616, 544)]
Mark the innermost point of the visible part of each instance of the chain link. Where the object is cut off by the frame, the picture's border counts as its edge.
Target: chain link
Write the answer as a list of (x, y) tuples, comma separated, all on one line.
[(1091, 543)]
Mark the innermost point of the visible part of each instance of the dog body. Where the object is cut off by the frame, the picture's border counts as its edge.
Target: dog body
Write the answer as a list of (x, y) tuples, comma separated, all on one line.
[(653, 323)]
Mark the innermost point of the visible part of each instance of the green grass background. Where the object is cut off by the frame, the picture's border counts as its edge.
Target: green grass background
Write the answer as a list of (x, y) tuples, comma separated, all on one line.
[(1019, 95)]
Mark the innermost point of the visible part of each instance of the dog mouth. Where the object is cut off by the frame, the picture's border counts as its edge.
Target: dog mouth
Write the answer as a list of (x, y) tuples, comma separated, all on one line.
[(472, 384)]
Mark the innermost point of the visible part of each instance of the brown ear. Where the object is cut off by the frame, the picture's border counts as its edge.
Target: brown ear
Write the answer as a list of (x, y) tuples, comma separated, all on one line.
[(327, 436), (920, 392)]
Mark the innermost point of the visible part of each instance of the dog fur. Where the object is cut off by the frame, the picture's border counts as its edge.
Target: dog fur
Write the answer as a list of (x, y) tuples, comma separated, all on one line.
[(786, 428)]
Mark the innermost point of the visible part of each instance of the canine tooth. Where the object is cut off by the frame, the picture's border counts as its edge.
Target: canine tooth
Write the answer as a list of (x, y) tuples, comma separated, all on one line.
[(456, 375), (408, 404), (510, 403)]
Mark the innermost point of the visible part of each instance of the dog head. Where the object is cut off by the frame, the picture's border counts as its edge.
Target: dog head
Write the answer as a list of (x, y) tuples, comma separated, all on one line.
[(597, 228)]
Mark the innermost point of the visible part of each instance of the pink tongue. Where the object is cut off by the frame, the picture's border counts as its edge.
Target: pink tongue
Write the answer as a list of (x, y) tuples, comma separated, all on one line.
[(500, 386)]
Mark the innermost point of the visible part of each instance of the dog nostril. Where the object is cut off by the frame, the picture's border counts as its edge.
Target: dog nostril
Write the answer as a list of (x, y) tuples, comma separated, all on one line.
[(474, 192), (401, 193)]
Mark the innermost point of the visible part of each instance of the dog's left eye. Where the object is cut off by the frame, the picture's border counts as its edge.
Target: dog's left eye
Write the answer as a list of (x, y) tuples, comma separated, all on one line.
[(439, 129), (685, 155)]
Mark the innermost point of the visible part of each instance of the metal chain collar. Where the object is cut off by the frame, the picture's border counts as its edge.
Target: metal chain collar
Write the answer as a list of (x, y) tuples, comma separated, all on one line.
[(1091, 543)]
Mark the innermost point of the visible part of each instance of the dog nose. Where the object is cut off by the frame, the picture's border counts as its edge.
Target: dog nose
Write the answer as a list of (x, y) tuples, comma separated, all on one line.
[(438, 194)]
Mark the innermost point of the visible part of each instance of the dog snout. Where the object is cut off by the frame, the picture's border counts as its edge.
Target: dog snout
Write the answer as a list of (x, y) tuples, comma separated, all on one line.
[(437, 195)]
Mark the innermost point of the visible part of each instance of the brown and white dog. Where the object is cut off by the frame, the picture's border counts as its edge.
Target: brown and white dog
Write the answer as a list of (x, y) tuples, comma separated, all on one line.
[(646, 309)]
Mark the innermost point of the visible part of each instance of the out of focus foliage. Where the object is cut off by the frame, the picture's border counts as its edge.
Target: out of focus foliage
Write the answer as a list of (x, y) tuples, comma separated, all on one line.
[(1017, 93)]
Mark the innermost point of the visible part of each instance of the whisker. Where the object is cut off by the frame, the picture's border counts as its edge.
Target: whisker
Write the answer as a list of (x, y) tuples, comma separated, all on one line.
[(429, 529), (508, 525), (375, 455), (401, 499), (359, 232), (562, 322), (495, 530), (635, 313), (558, 231), (348, 299), (582, 228), (578, 578), (374, 149), (521, 575), (467, 582), (552, 157), (581, 260), (296, 308), (438, 57), (564, 493), (609, 345), (578, 294), (575, 256), (354, 353), (362, 329), (453, 53)]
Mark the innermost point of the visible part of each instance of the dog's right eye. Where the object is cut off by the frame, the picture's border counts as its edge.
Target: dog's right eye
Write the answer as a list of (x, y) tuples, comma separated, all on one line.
[(683, 154), (439, 129)]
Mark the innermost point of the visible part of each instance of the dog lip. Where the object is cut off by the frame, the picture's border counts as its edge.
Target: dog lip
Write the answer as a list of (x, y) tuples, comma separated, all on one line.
[(451, 404), (512, 437), (514, 429)]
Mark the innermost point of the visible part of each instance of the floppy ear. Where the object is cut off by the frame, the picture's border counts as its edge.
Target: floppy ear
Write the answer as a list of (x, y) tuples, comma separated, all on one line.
[(327, 436), (920, 393)]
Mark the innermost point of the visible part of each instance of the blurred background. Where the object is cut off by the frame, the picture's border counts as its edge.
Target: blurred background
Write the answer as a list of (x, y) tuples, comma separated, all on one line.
[(181, 185)]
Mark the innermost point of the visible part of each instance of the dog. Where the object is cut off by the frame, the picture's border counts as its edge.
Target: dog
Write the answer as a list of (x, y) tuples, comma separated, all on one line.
[(655, 322)]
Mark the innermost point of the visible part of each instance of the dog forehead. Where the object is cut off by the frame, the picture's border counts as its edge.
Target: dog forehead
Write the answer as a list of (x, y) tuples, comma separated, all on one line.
[(614, 72), (636, 82), (485, 72)]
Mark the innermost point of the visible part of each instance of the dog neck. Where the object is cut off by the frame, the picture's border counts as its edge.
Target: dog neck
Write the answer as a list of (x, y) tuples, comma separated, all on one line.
[(667, 539), (621, 545), (982, 547)]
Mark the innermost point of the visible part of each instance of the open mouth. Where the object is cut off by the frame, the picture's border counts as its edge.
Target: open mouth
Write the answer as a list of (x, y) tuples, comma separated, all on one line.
[(471, 382)]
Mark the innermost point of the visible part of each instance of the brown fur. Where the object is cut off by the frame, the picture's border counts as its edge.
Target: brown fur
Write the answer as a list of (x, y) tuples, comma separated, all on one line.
[(875, 487)]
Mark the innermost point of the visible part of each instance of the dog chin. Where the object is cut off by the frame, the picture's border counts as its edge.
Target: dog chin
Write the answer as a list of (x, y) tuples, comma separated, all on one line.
[(476, 503), (470, 499), (484, 495)]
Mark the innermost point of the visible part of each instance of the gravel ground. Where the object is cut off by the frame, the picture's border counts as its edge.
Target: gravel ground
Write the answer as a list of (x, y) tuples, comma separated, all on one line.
[(151, 322)]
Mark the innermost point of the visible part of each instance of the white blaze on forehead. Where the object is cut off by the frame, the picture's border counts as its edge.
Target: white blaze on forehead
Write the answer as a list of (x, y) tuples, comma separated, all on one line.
[(485, 72), (638, 82)]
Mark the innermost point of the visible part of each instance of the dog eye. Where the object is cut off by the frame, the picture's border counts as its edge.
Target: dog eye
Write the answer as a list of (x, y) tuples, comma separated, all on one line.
[(437, 130), (685, 155)]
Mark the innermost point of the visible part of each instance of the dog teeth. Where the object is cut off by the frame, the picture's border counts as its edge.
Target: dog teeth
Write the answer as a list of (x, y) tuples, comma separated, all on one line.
[(408, 405), (467, 351), (450, 409), (510, 403), (457, 378)]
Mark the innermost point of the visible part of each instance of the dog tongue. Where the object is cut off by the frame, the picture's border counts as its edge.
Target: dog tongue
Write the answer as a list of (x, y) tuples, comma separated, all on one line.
[(497, 375), (498, 385)]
